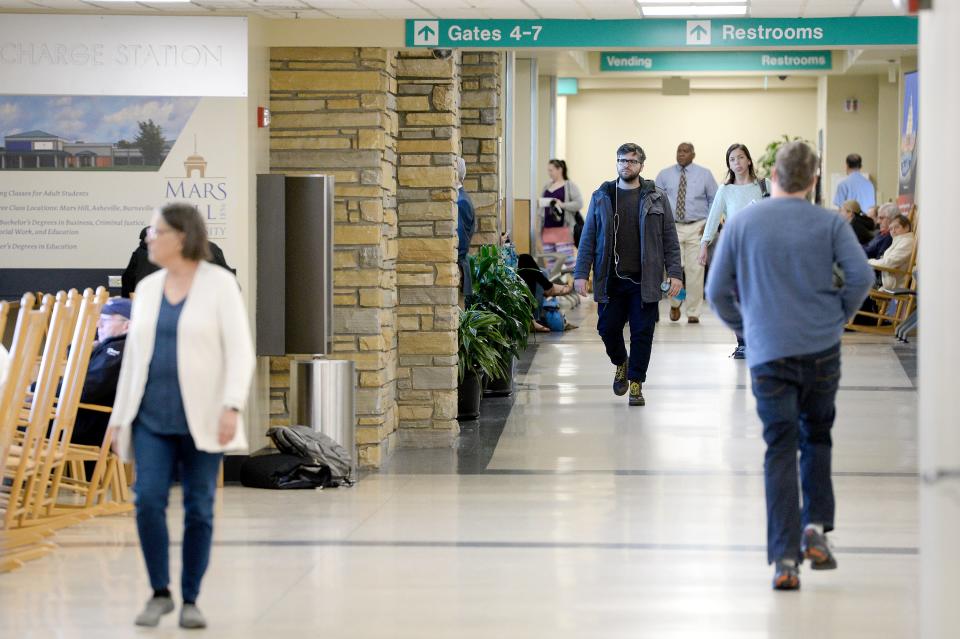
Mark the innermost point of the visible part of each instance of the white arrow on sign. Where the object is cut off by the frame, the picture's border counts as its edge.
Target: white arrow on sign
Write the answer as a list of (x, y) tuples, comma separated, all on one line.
[(426, 33), (699, 32)]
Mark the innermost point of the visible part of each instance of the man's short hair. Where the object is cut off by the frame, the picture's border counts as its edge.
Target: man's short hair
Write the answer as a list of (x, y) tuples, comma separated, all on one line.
[(689, 144), (903, 221), (796, 166), (889, 211), (854, 161), (630, 147)]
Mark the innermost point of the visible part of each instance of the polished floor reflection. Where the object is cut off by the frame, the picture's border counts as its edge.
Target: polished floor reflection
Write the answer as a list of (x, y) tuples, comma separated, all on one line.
[(583, 518)]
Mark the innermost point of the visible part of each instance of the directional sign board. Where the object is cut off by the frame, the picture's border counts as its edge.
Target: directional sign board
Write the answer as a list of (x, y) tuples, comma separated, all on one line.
[(663, 61), (790, 33)]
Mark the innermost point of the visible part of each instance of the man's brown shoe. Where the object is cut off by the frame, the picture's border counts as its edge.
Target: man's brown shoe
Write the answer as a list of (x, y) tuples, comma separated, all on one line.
[(693, 320), (674, 314)]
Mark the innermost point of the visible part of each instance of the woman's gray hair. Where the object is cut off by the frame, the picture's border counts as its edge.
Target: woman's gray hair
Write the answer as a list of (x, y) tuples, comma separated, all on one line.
[(461, 166)]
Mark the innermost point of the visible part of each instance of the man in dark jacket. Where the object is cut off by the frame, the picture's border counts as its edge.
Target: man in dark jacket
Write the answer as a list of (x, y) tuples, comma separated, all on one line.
[(466, 225), (630, 241), (100, 385), (140, 265)]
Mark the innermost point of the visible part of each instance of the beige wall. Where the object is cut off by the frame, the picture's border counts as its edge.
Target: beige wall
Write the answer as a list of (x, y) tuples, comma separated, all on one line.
[(890, 103), (854, 132), (599, 121), (258, 161)]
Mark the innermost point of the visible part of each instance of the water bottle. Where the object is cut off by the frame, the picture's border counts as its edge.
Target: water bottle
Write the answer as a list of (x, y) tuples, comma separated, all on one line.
[(682, 295)]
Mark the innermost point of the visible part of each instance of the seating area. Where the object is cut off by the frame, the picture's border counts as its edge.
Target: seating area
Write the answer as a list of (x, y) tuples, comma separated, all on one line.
[(893, 310), (45, 485)]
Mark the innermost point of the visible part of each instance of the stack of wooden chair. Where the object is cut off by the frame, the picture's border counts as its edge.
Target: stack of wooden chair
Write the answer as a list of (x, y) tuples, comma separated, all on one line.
[(43, 483)]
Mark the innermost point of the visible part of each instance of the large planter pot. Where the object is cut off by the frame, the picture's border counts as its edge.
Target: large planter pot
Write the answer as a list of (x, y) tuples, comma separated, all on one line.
[(469, 393), (502, 386)]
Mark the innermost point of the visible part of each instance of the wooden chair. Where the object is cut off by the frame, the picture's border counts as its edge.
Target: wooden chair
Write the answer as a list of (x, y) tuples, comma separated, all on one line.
[(885, 321), (22, 465), (17, 546), (46, 489)]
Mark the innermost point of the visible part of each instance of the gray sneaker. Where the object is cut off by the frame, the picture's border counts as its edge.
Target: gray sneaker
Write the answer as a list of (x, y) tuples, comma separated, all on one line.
[(155, 608), (191, 617)]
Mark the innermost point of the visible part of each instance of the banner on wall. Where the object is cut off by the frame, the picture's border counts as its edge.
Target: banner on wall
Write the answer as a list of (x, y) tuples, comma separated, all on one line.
[(98, 131), (908, 142), (80, 176)]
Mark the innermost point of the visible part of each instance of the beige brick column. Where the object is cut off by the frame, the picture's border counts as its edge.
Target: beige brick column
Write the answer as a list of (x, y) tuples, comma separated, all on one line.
[(428, 109), (334, 112), (481, 126)]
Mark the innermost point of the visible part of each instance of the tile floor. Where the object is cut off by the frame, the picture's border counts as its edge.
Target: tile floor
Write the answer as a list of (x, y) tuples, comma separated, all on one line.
[(591, 519)]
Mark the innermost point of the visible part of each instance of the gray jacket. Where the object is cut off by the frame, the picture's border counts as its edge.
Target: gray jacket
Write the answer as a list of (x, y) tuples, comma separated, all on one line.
[(572, 202), (659, 245)]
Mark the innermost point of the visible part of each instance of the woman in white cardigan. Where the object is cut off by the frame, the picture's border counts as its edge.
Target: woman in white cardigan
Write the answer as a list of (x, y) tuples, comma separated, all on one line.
[(183, 383), (566, 200)]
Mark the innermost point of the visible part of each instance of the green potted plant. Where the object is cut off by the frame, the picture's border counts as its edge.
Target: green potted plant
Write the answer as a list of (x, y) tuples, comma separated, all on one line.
[(499, 289), (769, 157), (479, 357)]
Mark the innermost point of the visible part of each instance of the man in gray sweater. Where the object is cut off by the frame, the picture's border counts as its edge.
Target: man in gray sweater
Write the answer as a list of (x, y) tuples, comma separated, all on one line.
[(799, 276)]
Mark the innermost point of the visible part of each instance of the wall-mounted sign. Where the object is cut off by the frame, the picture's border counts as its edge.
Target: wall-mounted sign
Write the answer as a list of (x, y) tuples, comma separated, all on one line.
[(671, 61), (660, 34), (123, 55)]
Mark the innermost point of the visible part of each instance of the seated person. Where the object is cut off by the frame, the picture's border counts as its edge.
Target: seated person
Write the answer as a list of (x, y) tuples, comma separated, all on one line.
[(862, 225), (874, 214), (540, 287), (898, 255), (100, 385), (882, 240)]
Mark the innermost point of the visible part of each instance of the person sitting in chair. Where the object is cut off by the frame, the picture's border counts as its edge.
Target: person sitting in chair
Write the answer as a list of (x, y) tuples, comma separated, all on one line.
[(898, 255), (103, 372), (540, 287)]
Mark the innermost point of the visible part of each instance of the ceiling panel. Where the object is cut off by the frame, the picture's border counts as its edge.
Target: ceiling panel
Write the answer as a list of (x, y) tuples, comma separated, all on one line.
[(502, 9)]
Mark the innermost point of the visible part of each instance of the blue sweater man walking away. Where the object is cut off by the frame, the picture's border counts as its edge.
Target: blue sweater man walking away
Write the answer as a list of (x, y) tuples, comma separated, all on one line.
[(800, 275)]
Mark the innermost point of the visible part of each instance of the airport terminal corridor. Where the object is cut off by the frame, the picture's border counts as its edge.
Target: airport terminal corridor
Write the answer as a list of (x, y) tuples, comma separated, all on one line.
[(585, 518)]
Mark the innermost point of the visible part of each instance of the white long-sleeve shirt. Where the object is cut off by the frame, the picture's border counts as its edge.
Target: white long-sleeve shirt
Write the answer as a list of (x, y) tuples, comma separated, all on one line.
[(730, 200), (897, 257)]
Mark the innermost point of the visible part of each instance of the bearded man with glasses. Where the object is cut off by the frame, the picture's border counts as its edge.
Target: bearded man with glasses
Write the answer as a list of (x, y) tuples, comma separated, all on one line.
[(630, 242)]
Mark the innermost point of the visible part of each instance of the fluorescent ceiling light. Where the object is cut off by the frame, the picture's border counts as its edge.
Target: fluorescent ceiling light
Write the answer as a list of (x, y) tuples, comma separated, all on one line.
[(694, 10), (140, 1), (688, 2)]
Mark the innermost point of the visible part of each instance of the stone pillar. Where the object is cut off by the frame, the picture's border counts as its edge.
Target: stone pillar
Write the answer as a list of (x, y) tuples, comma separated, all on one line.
[(427, 274), (333, 112), (481, 125)]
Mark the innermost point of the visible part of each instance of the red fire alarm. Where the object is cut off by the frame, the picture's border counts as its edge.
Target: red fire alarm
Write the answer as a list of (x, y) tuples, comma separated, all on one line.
[(263, 117)]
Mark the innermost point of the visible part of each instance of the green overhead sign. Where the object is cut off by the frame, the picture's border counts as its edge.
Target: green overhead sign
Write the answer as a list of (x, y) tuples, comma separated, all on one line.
[(664, 34), (659, 61)]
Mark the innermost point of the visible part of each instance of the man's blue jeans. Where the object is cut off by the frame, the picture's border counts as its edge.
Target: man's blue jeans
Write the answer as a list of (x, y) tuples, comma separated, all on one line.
[(626, 304), (796, 402), (158, 458)]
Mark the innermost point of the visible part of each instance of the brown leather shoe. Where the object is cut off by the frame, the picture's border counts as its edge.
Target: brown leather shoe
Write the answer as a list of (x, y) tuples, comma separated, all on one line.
[(693, 320), (674, 314)]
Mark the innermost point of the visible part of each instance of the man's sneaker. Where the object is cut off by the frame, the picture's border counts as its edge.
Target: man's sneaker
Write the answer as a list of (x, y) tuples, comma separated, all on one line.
[(817, 549), (155, 608), (636, 394), (786, 576), (620, 384), (739, 353)]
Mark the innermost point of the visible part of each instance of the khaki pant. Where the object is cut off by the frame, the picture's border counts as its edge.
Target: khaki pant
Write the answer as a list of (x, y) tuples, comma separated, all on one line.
[(690, 236)]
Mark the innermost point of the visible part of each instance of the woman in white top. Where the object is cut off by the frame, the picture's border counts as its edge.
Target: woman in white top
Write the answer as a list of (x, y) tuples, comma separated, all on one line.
[(741, 188), (185, 376)]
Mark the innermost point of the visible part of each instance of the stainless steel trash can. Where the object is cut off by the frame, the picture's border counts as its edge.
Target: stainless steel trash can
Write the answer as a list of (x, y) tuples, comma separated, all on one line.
[(322, 398)]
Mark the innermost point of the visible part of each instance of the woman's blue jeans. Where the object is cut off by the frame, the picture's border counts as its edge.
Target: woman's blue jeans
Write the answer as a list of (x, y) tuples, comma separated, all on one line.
[(159, 459)]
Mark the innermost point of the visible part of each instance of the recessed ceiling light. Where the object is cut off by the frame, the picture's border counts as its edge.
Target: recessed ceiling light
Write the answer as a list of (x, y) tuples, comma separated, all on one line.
[(688, 2), (140, 1), (694, 10)]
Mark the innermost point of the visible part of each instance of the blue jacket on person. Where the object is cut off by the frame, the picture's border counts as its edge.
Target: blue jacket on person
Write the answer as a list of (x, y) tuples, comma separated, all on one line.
[(466, 225), (659, 245)]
